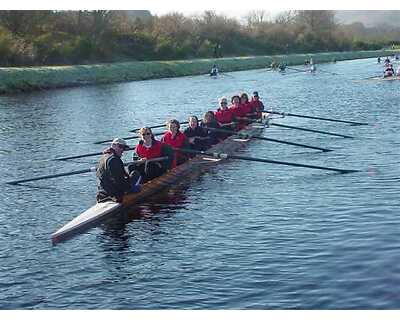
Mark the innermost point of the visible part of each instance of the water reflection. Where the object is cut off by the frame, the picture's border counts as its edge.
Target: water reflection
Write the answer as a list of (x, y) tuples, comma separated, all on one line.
[(116, 231)]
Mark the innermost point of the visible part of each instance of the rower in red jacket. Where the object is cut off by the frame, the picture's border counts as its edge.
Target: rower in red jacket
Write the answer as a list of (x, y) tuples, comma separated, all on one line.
[(149, 148), (176, 139), (246, 105), (238, 112), (224, 115), (257, 106)]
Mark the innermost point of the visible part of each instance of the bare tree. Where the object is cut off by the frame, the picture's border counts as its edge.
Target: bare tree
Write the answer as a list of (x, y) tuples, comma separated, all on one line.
[(25, 22), (286, 17), (316, 21), (256, 17)]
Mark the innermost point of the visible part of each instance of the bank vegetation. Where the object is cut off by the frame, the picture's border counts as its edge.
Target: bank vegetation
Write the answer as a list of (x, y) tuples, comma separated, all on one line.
[(38, 38)]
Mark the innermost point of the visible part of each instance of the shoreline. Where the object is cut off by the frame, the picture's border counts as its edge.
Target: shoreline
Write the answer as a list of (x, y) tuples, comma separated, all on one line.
[(27, 79)]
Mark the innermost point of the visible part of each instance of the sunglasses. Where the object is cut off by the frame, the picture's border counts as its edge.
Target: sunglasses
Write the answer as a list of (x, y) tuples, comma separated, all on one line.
[(223, 103), (147, 134)]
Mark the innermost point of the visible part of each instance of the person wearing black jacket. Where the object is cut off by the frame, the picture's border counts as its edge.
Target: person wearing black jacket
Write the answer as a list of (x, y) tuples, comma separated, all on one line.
[(196, 135), (112, 179), (209, 121)]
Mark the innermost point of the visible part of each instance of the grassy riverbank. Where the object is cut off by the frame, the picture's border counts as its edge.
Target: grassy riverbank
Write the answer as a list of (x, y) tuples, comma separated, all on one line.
[(14, 80)]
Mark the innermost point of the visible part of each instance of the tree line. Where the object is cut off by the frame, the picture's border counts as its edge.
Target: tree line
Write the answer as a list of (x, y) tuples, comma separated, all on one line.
[(32, 38)]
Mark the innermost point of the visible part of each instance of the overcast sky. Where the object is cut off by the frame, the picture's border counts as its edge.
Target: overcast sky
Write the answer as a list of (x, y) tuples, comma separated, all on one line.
[(236, 7)]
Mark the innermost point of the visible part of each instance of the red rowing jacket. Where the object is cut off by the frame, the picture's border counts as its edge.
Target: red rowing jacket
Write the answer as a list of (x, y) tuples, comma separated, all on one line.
[(246, 108), (180, 141), (237, 111), (155, 151), (224, 115), (257, 107)]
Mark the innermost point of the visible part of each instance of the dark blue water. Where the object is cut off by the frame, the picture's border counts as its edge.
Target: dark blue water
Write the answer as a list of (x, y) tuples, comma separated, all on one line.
[(245, 235)]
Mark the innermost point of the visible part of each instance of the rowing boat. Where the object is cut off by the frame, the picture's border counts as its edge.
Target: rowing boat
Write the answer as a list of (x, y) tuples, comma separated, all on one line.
[(103, 210), (391, 78)]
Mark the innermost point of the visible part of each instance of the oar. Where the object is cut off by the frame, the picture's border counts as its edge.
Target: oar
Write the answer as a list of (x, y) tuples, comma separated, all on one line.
[(127, 138), (295, 69), (157, 126), (268, 139), (294, 164), (64, 174), (264, 70), (71, 173), (378, 75), (316, 118), (328, 72), (83, 155), (311, 130), (227, 75)]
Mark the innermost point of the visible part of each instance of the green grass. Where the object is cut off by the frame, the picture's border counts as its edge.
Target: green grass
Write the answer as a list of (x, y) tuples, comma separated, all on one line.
[(37, 78)]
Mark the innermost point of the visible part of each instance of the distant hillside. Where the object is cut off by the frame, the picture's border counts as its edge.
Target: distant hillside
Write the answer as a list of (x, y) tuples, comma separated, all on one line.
[(370, 18)]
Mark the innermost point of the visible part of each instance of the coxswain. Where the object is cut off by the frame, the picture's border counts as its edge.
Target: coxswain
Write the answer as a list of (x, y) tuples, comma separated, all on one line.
[(196, 135), (257, 105), (176, 139), (224, 115), (149, 148), (113, 181), (282, 67), (214, 71), (379, 59)]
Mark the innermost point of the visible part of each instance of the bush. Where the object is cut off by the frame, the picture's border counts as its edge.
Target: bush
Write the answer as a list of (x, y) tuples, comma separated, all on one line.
[(14, 51), (138, 45)]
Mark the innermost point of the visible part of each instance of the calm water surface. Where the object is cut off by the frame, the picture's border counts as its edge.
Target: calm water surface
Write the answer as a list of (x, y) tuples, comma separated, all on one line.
[(241, 236)]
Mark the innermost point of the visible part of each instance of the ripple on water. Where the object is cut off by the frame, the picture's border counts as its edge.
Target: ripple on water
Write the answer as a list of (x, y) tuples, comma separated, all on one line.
[(245, 235)]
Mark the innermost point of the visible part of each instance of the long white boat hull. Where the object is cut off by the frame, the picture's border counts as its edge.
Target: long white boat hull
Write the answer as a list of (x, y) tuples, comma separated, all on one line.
[(91, 215)]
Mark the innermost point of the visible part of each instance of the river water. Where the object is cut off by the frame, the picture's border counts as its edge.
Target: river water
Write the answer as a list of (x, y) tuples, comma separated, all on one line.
[(244, 235)]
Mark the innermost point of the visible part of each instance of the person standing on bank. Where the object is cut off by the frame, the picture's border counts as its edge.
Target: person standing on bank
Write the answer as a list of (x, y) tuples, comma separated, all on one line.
[(112, 179)]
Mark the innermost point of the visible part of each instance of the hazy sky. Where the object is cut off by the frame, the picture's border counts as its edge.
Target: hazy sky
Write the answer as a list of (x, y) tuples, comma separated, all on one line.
[(236, 7), (238, 14)]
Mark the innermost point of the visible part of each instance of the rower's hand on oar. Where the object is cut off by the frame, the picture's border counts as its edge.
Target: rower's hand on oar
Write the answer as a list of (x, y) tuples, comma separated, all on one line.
[(140, 161)]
